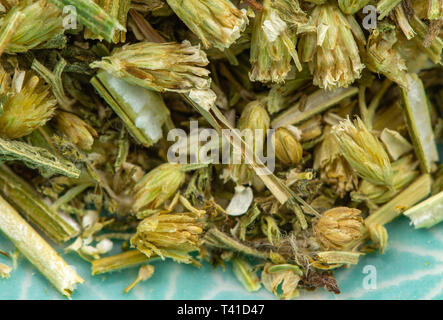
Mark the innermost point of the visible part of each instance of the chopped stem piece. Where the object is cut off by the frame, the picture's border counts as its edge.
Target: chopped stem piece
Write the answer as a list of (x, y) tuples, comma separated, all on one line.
[(417, 191), (417, 113), (385, 6), (37, 250), (219, 239), (23, 197), (128, 259), (427, 213), (55, 80), (317, 102), (36, 158), (92, 16)]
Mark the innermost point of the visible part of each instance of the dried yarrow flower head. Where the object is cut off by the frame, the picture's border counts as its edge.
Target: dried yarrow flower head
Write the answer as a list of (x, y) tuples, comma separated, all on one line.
[(332, 53), (273, 44), (255, 117), (334, 169), (77, 130), (217, 23), (364, 152), (157, 186), (161, 67), (339, 228), (288, 149), (171, 235), (28, 25), (26, 104), (254, 122)]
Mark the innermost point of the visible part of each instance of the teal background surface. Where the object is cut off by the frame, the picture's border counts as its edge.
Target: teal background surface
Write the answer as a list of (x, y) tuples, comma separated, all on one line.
[(411, 268)]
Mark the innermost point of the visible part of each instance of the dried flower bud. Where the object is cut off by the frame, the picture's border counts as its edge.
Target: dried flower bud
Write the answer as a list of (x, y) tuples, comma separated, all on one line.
[(256, 119), (159, 66), (27, 104), (78, 131), (217, 23), (334, 169), (332, 53), (351, 6), (169, 235), (339, 227), (40, 22), (273, 45), (288, 149), (364, 152), (157, 186)]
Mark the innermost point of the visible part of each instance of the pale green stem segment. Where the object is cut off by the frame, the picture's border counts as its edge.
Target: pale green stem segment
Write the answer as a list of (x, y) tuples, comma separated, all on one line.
[(55, 80), (37, 250), (418, 116), (124, 260), (117, 9), (245, 274), (92, 16), (416, 192), (286, 267), (339, 257), (218, 239), (23, 197), (69, 195), (428, 213), (317, 102), (36, 158), (385, 6), (375, 102), (403, 22)]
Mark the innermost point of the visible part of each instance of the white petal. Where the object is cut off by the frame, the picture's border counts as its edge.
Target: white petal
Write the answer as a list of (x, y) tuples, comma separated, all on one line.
[(240, 202)]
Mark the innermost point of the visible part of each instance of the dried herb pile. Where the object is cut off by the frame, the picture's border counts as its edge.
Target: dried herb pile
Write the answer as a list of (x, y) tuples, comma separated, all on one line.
[(90, 92)]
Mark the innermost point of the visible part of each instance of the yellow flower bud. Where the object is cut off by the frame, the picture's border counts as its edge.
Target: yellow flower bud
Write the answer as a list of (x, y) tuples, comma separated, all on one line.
[(169, 235), (339, 227), (27, 104), (217, 23), (160, 67), (288, 149), (78, 131), (332, 52), (364, 152), (254, 117), (157, 186)]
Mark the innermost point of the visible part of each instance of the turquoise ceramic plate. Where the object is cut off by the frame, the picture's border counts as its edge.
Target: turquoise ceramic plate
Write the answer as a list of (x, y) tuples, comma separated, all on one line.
[(411, 268)]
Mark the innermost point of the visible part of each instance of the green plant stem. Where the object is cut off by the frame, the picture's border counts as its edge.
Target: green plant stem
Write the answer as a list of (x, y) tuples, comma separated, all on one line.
[(37, 250), (92, 16), (128, 259), (416, 192), (428, 213), (23, 197)]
